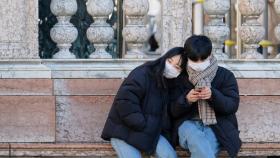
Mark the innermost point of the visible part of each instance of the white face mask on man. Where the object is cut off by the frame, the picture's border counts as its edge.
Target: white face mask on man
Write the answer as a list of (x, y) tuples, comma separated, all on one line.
[(170, 71), (199, 66)]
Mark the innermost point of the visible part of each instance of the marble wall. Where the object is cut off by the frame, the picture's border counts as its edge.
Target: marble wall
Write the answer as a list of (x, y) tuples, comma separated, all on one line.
[(19, 29)]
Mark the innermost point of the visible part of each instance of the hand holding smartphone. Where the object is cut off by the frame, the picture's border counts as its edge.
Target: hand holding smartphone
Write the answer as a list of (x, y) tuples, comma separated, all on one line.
[(198, 89)]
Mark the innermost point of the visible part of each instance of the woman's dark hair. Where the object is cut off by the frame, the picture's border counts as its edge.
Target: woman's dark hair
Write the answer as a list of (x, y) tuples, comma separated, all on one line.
[(198, 47), (157, 66)]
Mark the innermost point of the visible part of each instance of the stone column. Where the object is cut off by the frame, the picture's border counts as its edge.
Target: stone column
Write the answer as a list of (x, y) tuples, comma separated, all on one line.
[(198, 17), (216, 29), (19, 29), (64, 33), (251, 31), (100, 32), (176, 23), (135, 32), (277, 28)]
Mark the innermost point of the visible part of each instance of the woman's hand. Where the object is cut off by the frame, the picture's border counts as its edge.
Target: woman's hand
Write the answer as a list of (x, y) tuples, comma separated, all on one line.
[(192, 96)]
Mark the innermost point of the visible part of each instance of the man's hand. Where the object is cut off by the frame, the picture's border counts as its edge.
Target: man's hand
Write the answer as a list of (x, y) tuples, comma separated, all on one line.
[(192, 96), (205, 93)]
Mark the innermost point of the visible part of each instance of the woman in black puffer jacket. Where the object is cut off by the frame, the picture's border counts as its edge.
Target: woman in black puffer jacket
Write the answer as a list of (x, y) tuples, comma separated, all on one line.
[(138, 120)]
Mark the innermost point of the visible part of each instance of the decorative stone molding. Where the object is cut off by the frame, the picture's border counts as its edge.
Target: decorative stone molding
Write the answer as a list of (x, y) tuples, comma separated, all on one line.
[(135, 32), (216, 29), (251, 31), (64, 33), (277, 28), (100, 33)]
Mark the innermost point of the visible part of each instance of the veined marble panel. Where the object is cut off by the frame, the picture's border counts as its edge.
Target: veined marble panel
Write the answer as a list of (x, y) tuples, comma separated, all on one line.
[(18, 29)]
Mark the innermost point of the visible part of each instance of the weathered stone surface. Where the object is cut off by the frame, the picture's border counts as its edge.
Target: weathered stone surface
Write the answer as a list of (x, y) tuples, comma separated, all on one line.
[(58, 150), (175, 29), (216, 29), (94, 150), (27, 119), (259, 86), (100, 33), (23, 68), (110, 86), (112, 68), (4, 150), (86, 86), (26, 87), (135, 32), (81, 118), (251, 31), (19, 29), (63, 32), (277, 28), (259, 119)]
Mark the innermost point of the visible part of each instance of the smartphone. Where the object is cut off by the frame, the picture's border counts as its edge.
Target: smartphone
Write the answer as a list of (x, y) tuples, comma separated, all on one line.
[(198, 89)]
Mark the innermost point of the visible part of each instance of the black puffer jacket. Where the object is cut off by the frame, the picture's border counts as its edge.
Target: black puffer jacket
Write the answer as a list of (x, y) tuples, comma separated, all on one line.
[(139, 112), (225, 101)]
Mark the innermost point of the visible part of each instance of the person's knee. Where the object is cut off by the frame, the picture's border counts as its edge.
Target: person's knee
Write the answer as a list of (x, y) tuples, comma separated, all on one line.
[(186, 128), (201, 150), (124, 150), (188, 131), (164, 149)]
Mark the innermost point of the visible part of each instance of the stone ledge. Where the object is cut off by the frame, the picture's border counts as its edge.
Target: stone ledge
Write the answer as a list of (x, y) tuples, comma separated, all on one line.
[(23, 68), (105, 150), (118, 68), (4, 150)]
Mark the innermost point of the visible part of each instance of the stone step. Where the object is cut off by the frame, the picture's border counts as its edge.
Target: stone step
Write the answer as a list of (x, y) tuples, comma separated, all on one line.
[(105, 150)]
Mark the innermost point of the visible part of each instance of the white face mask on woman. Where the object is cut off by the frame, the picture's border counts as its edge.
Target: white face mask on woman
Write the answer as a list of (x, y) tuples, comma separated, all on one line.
[(199, 66), (170, 71)]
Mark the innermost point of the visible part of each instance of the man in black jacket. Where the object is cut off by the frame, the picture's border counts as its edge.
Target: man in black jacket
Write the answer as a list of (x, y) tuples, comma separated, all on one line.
[(204, 102)]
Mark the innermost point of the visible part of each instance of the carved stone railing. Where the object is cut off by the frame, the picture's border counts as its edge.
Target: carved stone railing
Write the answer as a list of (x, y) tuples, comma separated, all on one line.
[(64, 33), (251, 31), (135, 32), (100, 33), (216, 29), (250, 20), (277, 28)]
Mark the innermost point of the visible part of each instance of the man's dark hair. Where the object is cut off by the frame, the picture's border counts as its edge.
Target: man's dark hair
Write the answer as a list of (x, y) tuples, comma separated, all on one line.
[(198, 47)]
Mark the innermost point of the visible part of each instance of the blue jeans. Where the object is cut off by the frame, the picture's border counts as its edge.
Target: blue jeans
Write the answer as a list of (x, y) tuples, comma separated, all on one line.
[(124, 150), (199, 139)]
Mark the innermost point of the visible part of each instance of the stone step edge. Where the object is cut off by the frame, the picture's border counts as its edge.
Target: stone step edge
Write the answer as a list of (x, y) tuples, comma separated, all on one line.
[(105, 149)]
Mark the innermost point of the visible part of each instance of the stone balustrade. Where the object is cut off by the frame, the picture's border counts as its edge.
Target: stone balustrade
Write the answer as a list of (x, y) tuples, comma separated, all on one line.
[(216, 29), (64, 33), (277, 28), (251, 31), (135, 32), (19, 38), (100, 33)]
